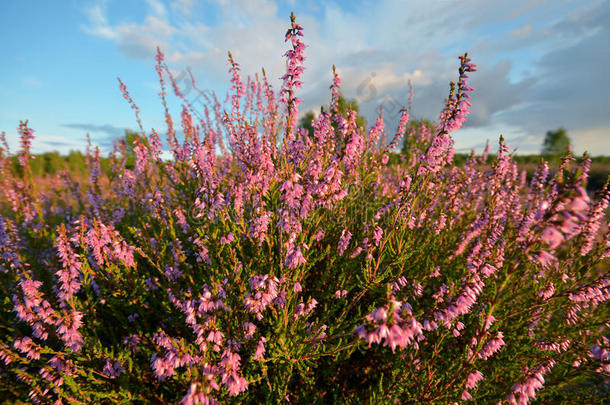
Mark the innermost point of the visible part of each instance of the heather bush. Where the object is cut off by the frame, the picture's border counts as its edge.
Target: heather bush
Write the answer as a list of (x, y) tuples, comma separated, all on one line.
[(264, 265)]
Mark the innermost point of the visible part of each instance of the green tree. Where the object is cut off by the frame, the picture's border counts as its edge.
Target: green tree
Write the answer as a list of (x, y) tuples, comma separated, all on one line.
[(343, 106), (415, 124), (52, 162), (306, 122), (130, 154), (556, 143), (76, 162)]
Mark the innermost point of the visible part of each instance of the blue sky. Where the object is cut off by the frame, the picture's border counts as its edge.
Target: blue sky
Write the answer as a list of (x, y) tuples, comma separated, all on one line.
[(543, 64)]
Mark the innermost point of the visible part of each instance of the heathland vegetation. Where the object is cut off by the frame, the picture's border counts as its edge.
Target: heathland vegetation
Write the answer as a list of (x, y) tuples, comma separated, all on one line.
[(267, 262)]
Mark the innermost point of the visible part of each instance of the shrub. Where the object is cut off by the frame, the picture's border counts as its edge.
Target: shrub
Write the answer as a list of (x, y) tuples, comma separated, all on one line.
[(261, 265)]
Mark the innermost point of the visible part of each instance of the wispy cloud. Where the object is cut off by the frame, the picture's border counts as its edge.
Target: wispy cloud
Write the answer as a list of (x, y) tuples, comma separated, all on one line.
[(31, 82), (103, 135)]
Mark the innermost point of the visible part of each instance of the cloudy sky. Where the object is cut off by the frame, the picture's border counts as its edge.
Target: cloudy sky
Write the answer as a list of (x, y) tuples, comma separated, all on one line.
[(542, 64)]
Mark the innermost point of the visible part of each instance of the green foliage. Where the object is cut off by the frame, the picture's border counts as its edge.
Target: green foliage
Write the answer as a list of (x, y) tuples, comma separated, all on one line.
[(129, 142), (343, 107), (556, 143), (415, 125), (76, 162), (306, 122)]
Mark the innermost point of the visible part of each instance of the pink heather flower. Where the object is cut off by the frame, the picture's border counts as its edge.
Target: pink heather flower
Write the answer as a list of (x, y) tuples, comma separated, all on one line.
[(264, 292), (215, 337), (258, 229), (69, 275), (429, 325), (559, 346), (238, 86), (260, 349), (418, 290), (319, 235), (552, 237), (524, 391), (377, 235), (489, 320), (299, 310), (27, 347), (466, 396), (196, 395), (58, 363), (377, 130), (593, 222), (599, 352), (400, 132), (346, 236), (580, 203), (437, 154), (280, 300), (457, 105), (311, 305), (25, 135), (227, 239), (335, 91), (297, 287), (249, 329), (230, 365), (303, 310), (473, 379), (400, 333), (340, 293), (547, 292), (113, 370), (291, 78), (67, 328), (235, 383), (295, 258), (492, 347), (132, 342), (356, 252), (546, 259)]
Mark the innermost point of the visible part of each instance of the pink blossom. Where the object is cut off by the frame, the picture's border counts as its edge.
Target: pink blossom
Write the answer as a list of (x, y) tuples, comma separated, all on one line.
[(552, 237), (492, 346), (113, 369), (260, 349), (346, 236), (473, 379)]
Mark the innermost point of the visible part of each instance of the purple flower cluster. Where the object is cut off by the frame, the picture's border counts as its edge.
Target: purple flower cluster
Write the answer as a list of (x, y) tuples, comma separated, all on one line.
[(394, 324)]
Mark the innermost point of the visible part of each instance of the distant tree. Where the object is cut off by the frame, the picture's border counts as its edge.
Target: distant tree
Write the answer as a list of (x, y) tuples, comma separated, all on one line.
[(306, 122), (415, 125), (76, 162), (52, 162), (343, 106), (556, 143), (130, 154), (37, 165)]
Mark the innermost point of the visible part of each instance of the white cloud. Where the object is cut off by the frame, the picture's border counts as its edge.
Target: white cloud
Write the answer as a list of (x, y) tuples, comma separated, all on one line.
[(157, 7), (522, 32), (184, 7)]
